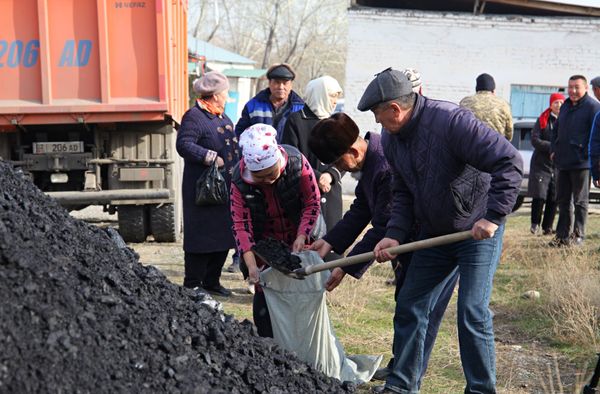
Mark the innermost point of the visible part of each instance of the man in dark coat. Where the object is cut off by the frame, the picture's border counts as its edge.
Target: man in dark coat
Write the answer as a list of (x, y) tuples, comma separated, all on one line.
[(451, 172), (335, 141), (274, 104), (570, 153)]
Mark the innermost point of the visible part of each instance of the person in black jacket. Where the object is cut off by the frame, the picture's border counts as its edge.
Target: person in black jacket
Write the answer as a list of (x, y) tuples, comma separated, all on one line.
[(321, 96), (336, 140), (570, 153), (542, 183)]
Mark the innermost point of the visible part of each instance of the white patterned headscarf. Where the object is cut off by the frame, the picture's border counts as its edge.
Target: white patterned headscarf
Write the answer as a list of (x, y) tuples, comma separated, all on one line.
[(317, 95), (259, 147)]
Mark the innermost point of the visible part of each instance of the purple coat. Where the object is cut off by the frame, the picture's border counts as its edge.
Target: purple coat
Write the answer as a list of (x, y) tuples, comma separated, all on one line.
[(205, 229), (450, 170), (372, 204)]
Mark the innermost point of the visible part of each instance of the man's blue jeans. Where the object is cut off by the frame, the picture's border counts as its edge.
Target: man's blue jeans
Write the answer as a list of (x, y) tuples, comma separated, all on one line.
[(426, 278)]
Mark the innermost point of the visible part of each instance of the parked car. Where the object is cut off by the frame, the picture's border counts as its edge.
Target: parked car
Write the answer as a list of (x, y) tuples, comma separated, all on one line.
[(522, 141)]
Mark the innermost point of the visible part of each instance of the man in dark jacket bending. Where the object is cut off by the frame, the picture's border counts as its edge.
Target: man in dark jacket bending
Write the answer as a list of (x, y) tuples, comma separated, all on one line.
[(451, 173), (336, 141)]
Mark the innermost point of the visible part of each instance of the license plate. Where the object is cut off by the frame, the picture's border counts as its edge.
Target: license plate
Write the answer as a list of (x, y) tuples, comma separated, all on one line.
[(44, 148)]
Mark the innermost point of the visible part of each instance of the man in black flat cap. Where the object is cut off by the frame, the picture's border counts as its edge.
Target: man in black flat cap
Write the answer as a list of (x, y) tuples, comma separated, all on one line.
[(451, 173), (274, 104)]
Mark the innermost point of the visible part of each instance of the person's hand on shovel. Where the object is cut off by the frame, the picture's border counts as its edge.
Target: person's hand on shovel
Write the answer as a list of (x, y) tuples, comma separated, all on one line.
[(335, 279), (483, 229), (380, 254), (323, 248)]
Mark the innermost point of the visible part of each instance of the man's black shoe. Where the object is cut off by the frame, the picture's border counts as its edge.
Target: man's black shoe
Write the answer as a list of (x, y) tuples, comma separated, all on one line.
[(559, 242), (219, 291), (381, 390), (381, 374)]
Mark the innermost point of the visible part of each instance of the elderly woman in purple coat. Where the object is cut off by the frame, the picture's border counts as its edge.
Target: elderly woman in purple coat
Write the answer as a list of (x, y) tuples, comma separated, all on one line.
[(206, 135)]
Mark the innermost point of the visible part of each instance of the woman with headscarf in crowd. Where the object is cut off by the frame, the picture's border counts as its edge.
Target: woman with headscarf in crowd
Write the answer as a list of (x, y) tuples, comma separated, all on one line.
[(206, 136), (542, 179), (320, 99), (274, 194)]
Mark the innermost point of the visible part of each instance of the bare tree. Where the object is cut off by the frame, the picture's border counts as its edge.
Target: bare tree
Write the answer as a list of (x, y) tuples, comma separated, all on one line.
[(308, 34)]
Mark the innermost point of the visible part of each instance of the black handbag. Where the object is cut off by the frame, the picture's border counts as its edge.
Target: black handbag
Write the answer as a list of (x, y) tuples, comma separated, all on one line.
[(211, 188)]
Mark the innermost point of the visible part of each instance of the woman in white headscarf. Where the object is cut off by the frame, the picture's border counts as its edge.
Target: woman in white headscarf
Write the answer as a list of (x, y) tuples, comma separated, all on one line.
[(320, 99)]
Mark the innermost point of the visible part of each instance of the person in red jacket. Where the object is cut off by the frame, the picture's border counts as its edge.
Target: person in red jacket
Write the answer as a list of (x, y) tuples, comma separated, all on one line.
[(274, 194)]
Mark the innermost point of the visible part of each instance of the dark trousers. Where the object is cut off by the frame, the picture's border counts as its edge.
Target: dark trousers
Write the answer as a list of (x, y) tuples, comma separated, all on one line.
[(537, 207), (260, 314), (203, 269), (572, 186)]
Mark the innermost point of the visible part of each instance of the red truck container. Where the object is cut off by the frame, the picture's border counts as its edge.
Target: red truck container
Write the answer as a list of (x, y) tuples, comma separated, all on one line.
[(92, 91)]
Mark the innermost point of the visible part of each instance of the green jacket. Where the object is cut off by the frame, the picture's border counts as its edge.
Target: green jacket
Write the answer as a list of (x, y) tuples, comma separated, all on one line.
[(492, 110)]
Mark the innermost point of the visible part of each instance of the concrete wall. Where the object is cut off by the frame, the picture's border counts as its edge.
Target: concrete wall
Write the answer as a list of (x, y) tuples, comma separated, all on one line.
[(451, 49)]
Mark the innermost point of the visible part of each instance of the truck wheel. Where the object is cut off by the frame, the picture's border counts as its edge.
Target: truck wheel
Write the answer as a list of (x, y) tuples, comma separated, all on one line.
[(133, 224), (518, 203), (162, 222)]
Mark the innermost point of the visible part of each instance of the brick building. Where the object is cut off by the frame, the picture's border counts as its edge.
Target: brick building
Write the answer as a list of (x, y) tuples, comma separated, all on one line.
[(531, 47)]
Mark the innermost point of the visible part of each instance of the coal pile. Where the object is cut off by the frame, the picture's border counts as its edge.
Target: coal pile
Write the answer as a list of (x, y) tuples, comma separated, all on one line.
[(277, 254), (80, 314)]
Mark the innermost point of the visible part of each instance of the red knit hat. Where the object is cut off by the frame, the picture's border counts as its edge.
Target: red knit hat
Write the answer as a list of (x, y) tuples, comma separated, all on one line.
[(556, 96), (546, 114)]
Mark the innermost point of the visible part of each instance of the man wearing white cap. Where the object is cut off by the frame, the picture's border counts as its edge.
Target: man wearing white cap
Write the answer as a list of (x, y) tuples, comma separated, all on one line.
[(274, 194)]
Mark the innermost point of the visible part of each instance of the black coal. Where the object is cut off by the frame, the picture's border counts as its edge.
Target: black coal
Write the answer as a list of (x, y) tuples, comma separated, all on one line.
[(277, 254), (80, 314)]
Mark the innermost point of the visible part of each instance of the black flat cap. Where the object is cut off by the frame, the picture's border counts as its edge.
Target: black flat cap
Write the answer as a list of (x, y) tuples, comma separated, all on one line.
[(595, 82), (387, 85), (332, 137), (281, 71)]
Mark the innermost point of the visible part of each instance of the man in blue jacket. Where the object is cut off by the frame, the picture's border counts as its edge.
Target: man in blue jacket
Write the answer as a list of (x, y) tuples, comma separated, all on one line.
[(570, 146), (274, 104), (451, 172), (336, 141)]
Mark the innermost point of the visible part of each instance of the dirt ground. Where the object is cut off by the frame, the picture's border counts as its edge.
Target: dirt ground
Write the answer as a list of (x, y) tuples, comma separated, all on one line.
[(525, 365)]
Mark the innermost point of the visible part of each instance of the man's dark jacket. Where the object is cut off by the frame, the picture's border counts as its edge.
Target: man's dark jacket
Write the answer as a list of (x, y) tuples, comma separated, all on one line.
[(570, 143), (260, 110), (450, 170), (372, 204)]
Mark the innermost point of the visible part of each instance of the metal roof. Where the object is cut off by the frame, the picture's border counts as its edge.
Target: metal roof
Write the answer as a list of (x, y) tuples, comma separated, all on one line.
[(518, 7), (244, 73), (213, 53)]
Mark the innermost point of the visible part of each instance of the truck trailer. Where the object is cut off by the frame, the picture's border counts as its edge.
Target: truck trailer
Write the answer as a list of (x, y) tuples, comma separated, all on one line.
[(92, 92)]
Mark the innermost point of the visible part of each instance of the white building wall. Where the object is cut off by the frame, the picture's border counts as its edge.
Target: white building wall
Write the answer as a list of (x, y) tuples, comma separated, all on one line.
[(451, 49)]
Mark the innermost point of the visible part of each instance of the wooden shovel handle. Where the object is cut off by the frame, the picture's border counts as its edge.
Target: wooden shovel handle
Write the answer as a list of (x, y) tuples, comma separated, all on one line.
[(409, 247)]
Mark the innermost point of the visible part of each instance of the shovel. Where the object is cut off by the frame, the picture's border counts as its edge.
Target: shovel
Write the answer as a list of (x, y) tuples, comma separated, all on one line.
[(300, 273)]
